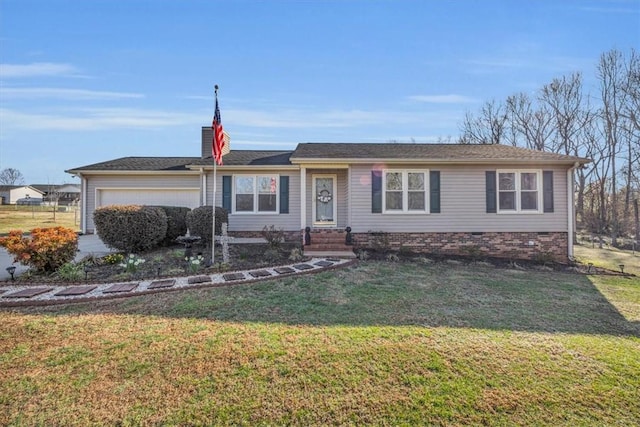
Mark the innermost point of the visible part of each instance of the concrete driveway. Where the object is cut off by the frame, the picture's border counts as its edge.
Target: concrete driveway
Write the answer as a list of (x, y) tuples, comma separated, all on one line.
[(89, 244)]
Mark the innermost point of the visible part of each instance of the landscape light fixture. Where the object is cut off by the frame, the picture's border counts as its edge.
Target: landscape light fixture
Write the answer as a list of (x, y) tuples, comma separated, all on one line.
[(86, 269), (11, 270), (589, 270), (621, 268)]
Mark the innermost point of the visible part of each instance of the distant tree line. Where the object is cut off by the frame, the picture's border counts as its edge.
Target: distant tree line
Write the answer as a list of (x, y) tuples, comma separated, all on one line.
[(604, 125)]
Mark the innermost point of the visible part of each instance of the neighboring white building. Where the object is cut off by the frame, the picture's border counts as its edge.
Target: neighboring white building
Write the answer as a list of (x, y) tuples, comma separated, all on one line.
[(10, 194), (63, 194)]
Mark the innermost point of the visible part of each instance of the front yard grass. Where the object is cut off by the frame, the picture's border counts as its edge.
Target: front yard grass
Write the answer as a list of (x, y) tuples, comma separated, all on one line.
[(378, 343), (26, 218), (609, 258)]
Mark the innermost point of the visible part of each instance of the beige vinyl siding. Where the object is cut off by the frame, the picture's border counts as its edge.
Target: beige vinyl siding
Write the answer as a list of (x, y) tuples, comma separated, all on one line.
[(342, 186), (98, 183), (256, 222), (463, 204)]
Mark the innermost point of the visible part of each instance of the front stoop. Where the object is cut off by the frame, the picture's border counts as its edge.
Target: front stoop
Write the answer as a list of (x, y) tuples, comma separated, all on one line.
[(328, 243)]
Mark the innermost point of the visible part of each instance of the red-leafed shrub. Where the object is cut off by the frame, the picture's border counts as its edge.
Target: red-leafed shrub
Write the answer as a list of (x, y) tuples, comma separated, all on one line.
[(46, 249)]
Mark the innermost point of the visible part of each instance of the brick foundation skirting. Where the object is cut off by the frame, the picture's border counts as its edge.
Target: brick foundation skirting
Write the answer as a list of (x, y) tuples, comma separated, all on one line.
[(289, 236), (534, 246)]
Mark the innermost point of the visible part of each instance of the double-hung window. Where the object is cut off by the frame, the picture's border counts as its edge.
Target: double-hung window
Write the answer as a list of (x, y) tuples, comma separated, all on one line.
[(256, 194), (405, 191), (519, 191)]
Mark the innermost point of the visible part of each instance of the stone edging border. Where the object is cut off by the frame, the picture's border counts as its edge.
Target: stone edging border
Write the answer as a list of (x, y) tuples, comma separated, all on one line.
[(142, 287)]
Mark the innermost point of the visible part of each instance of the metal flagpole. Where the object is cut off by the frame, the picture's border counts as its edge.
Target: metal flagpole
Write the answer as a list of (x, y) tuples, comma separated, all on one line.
[(215, 184), (213, 231)]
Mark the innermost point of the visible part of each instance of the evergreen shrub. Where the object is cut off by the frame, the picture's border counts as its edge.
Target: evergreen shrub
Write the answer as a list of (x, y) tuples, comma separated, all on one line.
[(131, 228), (199, 222), (176, 222)]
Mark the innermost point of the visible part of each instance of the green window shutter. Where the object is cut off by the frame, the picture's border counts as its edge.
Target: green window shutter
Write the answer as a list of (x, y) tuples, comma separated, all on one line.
[(284, 194), (547, 191), (226, 192), (434, 191), (491, 191), (376, 191)]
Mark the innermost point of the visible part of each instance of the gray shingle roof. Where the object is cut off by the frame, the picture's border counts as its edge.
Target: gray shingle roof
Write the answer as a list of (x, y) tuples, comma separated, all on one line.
[(140, 164), (448, 152), (339, 151), (250, 157)]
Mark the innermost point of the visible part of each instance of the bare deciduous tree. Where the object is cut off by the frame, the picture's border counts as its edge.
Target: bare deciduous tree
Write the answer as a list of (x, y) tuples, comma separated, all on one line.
[(487, 128), (565, 119), (534, 125), (11, 176), (611, 73), (564, 98), (630, 111)]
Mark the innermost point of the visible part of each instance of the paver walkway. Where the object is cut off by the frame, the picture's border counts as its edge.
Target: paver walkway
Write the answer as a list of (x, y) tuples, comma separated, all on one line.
[(12, 295)]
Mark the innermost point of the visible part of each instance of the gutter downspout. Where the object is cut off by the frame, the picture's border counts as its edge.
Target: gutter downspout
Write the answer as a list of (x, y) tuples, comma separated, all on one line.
[(303, 197), (571, 216), (83, 203)]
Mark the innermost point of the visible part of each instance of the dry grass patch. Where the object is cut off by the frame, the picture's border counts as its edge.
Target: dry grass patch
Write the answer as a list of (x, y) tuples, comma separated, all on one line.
[(25, 218), (609, 258), (381, 344)]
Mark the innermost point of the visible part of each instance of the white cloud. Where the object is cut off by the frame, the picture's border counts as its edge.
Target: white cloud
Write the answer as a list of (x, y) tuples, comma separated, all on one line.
[(62, 93), (613, 9), (245, 121), (520, 62), (95, 119), (443, 99), (297, 119), (37, 69)]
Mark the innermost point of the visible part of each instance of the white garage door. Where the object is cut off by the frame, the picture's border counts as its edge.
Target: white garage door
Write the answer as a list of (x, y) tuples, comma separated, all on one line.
[(189, 198)]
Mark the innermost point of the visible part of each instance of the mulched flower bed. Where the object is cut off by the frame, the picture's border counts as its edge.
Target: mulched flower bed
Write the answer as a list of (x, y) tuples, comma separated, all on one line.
[(169, 262)]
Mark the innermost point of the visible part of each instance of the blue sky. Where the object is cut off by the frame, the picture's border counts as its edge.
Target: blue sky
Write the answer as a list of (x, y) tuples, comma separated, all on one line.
[(88, 81)]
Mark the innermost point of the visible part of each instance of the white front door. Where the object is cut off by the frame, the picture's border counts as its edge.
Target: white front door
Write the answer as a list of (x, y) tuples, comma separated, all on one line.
[(324, 200)]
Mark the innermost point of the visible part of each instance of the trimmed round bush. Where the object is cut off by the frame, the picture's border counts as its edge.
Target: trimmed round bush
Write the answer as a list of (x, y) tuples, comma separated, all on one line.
[(130, 228), (176, 222), (200, 220)]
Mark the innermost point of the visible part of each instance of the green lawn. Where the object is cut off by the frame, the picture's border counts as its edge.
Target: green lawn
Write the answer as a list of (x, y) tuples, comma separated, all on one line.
[(374, 344)]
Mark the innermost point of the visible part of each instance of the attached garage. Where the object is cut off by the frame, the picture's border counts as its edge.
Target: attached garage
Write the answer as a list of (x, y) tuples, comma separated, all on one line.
[(187, 197)]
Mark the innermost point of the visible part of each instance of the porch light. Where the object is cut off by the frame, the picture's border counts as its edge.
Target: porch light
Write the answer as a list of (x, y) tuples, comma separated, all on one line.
[(11, 270)]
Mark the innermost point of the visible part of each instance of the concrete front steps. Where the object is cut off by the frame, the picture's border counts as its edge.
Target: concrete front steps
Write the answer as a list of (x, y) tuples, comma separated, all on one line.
[(328, 243)]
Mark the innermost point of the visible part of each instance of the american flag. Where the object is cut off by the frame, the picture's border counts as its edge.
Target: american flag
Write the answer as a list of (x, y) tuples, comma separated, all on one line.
[(219, 145)]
